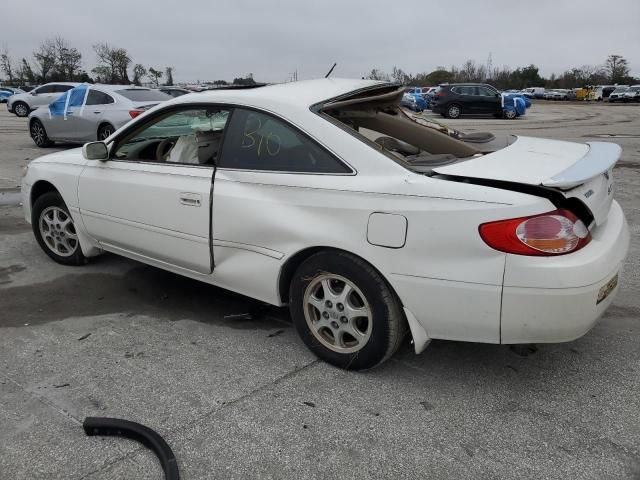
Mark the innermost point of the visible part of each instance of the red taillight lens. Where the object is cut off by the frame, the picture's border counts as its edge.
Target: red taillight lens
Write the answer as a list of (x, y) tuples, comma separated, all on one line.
[(554, 233), (135, 113)]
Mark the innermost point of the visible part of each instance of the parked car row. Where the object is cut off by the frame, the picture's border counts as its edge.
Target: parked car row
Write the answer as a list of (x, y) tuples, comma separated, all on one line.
[(456, 99), (625, 94), (87, 113)]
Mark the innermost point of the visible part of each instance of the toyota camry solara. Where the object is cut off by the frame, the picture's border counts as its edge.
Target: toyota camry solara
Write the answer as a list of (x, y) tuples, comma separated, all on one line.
[(324, 195)]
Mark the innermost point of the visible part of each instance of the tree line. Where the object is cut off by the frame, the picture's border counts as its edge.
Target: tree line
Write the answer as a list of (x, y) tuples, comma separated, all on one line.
[(56, 61), (615, 70)]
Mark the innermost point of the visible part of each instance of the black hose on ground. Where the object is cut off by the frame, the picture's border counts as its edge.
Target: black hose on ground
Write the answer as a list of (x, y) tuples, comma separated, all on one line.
[(135, 431)]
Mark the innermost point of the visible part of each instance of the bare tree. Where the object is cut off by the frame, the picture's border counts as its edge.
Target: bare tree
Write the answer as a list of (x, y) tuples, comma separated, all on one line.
[(138, 73), (6, 64), (25, 74), (398, 75), (155, 76), (169, 76), (113, 64), (46, 58), (69, 60), (377, 74), (617, 68)]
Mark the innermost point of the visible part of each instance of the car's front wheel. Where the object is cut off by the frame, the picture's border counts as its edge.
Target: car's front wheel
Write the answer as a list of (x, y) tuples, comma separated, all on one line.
[(55, 231), (21, 109), (510, 114), (454, 111), (39, 134), (345, 312), (105, 131)]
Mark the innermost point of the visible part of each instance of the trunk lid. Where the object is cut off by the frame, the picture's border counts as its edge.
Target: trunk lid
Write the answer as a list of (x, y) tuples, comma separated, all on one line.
[(576, 170)]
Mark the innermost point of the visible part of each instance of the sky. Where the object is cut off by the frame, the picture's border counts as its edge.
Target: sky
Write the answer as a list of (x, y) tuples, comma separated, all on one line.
[(224, 39)]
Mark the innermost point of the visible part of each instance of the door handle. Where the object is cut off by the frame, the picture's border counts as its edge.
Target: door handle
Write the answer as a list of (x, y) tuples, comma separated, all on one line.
[(190, 199), (97, 111)]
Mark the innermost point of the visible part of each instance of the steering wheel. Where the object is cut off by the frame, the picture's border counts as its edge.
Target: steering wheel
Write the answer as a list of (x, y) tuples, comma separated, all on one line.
[(164, 147)]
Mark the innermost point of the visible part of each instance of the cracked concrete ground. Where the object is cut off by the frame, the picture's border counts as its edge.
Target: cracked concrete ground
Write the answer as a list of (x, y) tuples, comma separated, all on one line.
[(245, 399)]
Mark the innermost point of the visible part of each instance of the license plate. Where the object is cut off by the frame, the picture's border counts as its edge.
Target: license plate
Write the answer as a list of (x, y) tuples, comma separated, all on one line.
[(606, 289)]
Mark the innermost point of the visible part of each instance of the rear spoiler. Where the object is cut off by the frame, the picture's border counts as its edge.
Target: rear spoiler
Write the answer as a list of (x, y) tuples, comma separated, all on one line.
[(601, 157)]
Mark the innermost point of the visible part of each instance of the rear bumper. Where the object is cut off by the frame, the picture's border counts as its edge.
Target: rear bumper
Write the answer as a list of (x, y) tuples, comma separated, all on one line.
[(542, 299), (555, 299)]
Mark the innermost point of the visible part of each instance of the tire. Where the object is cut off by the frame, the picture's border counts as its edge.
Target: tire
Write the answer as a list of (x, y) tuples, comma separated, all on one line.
[(39, 134), (21, 109), (454, 111), (510, 114), (54, 230), (376, 323), (105, 131)]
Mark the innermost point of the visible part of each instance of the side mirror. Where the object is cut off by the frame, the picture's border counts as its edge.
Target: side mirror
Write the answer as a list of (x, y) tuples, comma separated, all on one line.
[(95, 151), (33, 93)]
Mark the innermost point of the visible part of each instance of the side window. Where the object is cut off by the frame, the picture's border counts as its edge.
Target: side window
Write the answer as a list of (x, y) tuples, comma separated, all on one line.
[(486, 92), (98, 98), (189, 136), (257, 141), (46, 89), (61, 88)]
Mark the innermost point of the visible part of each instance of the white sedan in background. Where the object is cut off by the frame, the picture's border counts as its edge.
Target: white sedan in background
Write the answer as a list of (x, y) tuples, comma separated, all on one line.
[(90, 112), (325, 196)]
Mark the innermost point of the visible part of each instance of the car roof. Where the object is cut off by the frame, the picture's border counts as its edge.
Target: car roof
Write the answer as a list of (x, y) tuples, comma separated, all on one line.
[(295, 94), (113, 88), (73, 84)]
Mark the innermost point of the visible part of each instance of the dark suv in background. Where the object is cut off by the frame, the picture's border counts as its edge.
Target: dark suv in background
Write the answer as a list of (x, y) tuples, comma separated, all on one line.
[(455, 99)]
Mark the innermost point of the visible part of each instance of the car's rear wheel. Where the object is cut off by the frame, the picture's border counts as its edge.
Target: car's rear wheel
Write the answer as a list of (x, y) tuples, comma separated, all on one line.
[(345, 312), (39, 134), (510, 114), (55, 231), (454, 111), (105, 131), (21, 109)]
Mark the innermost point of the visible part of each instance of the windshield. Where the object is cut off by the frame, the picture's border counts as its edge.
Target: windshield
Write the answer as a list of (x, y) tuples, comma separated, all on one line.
[(620, 90), (144, 95)]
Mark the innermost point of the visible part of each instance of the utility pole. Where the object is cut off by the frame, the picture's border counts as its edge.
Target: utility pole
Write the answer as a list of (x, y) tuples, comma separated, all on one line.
[(489, 66)]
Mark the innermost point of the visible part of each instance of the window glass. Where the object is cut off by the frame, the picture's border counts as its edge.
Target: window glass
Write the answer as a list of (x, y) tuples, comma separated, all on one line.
[(257, 141), (191, 136), (98, 98), (465, 90), (486, 92), (144, 95), (61, 88), (46, 89)]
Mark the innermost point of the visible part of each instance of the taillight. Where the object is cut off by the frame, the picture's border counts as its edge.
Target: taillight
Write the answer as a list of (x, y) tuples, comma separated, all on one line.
[(135, 113), (553, 233)]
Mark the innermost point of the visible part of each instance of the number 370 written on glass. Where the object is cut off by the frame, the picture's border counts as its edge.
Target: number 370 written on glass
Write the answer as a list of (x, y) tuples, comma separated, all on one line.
[(263, 143)]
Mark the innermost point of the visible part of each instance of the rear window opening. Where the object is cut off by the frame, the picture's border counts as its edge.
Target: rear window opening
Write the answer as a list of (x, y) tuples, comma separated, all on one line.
[(376, 118)]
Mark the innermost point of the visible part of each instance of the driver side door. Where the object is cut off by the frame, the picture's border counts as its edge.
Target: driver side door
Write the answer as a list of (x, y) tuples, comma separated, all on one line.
[(152, 199)]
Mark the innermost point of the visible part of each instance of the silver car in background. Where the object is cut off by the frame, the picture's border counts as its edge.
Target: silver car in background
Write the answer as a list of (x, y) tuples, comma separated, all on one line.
[(106, 108), (23, 103)]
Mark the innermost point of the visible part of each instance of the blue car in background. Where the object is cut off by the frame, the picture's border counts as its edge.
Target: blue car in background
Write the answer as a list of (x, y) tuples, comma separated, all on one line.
[(527, 100), (6, 92), (414, 99), (513, 106)]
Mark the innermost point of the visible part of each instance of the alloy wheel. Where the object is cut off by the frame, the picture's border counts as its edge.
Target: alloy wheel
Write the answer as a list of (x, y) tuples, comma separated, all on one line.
[(21, 110), (58, 231), (105, 133), (37, 133), (337, 313)]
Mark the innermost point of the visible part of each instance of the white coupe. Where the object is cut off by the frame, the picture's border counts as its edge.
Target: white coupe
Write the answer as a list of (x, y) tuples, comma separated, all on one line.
[(324, 195)]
